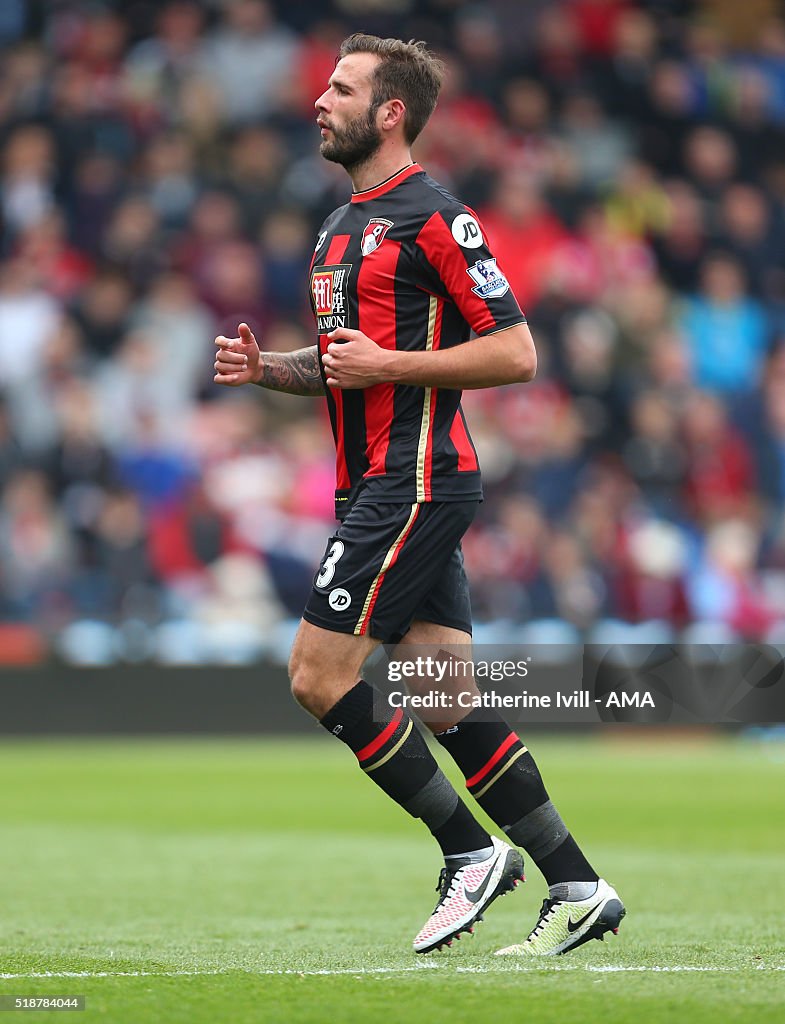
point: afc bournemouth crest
(329, 293)
(373, 235)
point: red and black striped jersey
(407, 264)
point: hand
(238, 359)
(357, 362)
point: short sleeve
(452, 247)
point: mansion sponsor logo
(329, 294)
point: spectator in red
(597, 23)
(187, 535)
(719, 480)
(45, 246)
(650, 586)
(517, 212)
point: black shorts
(389, 564)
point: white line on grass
(615, 969)
(473, 969)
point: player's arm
(239, 361)
(507, 356)
(452, 259)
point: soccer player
(401, 277)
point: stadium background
(159, 182)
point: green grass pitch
(257, 880)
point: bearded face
(355, 143)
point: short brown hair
(406, 71)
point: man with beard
(401, 277)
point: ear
(392, 114)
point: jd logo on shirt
(339, 599)
(466, 231)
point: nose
(321, 102)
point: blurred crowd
(160, 182)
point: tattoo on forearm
(296, 373)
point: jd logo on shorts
(339, 599)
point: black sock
(502, 776)
(393, 753)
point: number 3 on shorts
(327, 571)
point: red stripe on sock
(512, 738)
(381, 739)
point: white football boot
(466, 892)
(563, 926)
